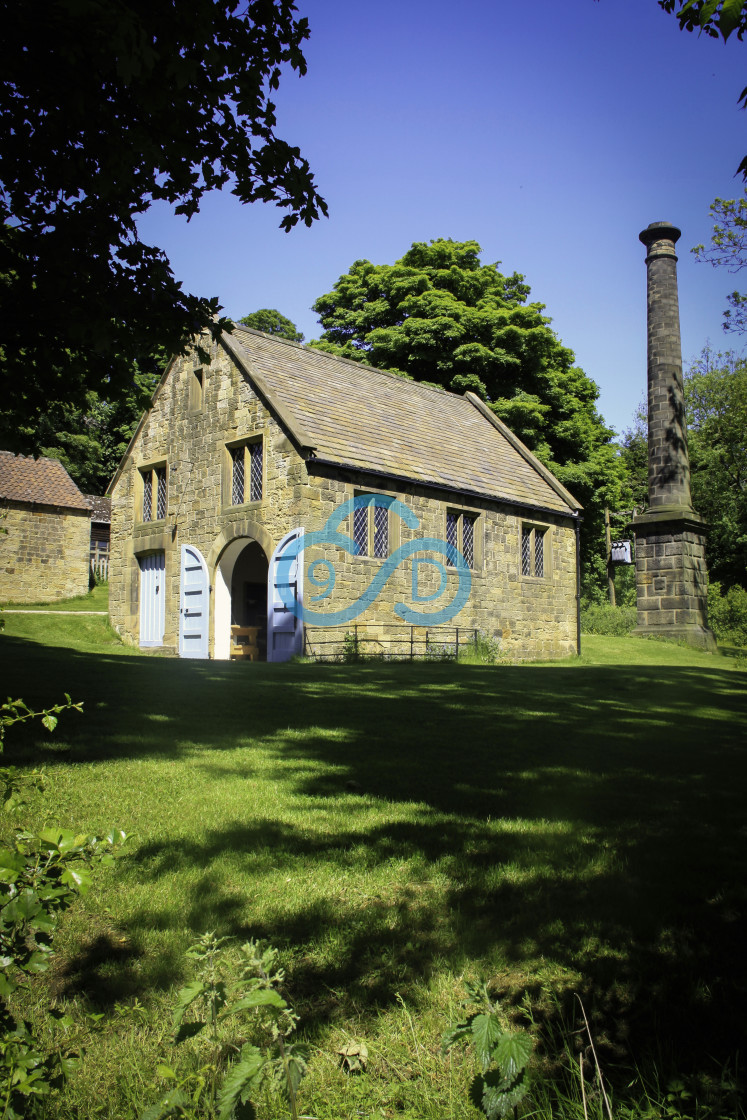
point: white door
(152, 598)
(194, 599)
(285, 583)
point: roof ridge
(399, 377)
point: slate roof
(101, 507)
(352, 415)
(41, 481)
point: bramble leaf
(78, 877)
(22, 908)
(70, 1064)
(11, 865)
(7, 986)
(61, 840)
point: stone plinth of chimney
(671, 573)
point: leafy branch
(41, 875)
(716, 18)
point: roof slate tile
(357, 416)
(41, 481)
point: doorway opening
(241, 598)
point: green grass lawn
(575, 827)
(97, 599)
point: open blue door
(194, 600)
(284, 628)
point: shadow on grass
(588, 824)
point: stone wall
(44, 555)
(671, 576)
(191, 442)
(532, 617)
(187, 431)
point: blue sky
(550, 132)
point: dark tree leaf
(104, 109)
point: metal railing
(357, 643)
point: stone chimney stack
(671, 574)
(668, 466)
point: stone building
(45, 529)
(243, 458)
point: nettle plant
(503, 1054)
(232, 1068)
(41, 875)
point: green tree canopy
(90, 440)
(439, 315)
(104, 109)
(634, 454)
(270, 321)
(728, 249)
(716, 401)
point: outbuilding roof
(39, 481)
(352, 415)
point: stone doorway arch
(240, 564)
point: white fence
(99, 560)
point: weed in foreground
(232, 1068)
(503, 1055)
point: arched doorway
(240, 594)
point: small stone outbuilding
(45, 530)
(238, 458)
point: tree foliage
(717, 18)
(90, 441)
(270, 321)
(104, 109)
(441, 316)
(716, 401)
(728, 249)
(634, 455)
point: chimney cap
(659, 231)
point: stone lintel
(151, 541)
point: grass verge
(97, 599)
